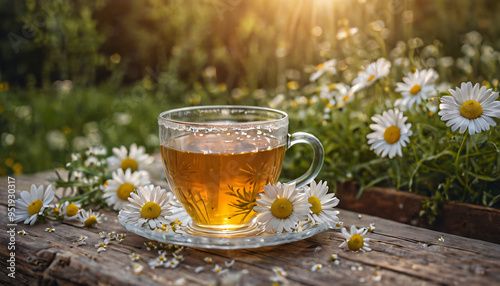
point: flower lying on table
(31, 206)
(89, 218)
(355, 241)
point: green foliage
(99, 72)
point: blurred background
(79, 73)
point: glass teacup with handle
(217, 160)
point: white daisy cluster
(105, 239)
(282, 207)
(90, 173)
(163, 261)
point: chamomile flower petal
(288, 207)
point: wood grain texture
(403, 255)
(456, 218)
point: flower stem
(457, 168)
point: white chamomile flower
(390, 133)
(342, 94)
(137, 268)
(160, 260)
(69, 211)
(416, 87)
(96, 150)
(322, 209)
(279, 271)
(372, 227)
(470, 107)
(90, 218)
(92, 161)
(355, 241)
(32, 204)
(135, 158)
(134, 257)
(81, 240)
(321, 69)
(371, 74)
(316, 267)
(281, 207)
(117, 190)
(217, 268)
(207, 259)
(50, 229)
(22, 232)
(102, 246)
(346, 33)
(172, 263)
(148, 206)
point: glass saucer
(214, 242)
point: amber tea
(217, 176)
(217, 159)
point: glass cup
(217, 160)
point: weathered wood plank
(456, 218)
(403, 254)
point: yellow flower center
(35, 207)
(345, 98)
(281, 208)
(471, 109)
(415, 89)
(355, 243)
(150, 210)
(316, 205)
(331, 86)
(392, 134)
(90, 221)
(129, 163)
(370, 78)
(71, 210)
(321, 66)
(124, 191)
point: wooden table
(401, 255)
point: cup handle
(318, 156)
